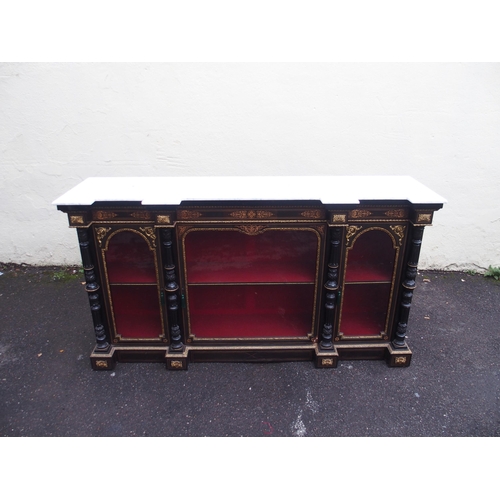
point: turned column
(331, 288)
(171, 291)
(408, 286)
(93, 289)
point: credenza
(256, 269)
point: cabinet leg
(177, 360)
(399, 358)
(103, 360)
(326, 359)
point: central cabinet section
(250, 281)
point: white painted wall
(61, 123)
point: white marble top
(174, 190)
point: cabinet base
(103, 360)
(179, 360)
(327, 358)
(399, 358)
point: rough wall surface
(63, 122)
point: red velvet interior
(229, 256)
(129, 259)
(136, 311)
(251, 310)
(364, 309)
(275, 259)
(371, 258)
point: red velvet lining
(136, 311)
(371, 258)
(364, 309)
(251, 310)
(234, 257)
(129, 259)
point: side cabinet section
(128, 258)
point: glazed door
(250, 282)
(129, 260)
(370, 272)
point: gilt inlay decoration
(189, 214)
(101, 233)
(351, 231)
(312, 214)
(400, 232)
(76, 219)
(141, 215)
(149, 232)
(397, 213)
(359, 214)
(338, 218)
(163, 219)
(103, 215)
(251, 229)
(252, 214)
(424, 218)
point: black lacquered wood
(331, 289)
(171, 290)
(93, 288)
(408, 286)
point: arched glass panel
(129, 259)
(368, 284)
(131, 270)
(371, 258)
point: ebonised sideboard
(190, 269)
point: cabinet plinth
(250, 279)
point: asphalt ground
(47, 387)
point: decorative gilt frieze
(149, 232)
(176, 364)
(326, 362)
(424, 218)
(251, 229)
(101, 363)
(400, 360)
(163, 219)
(103, 215)
(351, 231)
(360, 214)
(189, 214)
(312, 214)
(76, 219)
(396, 213)
(399, 231)
(101, 233)
(339, 218)
(252, 214)
(141, 215)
